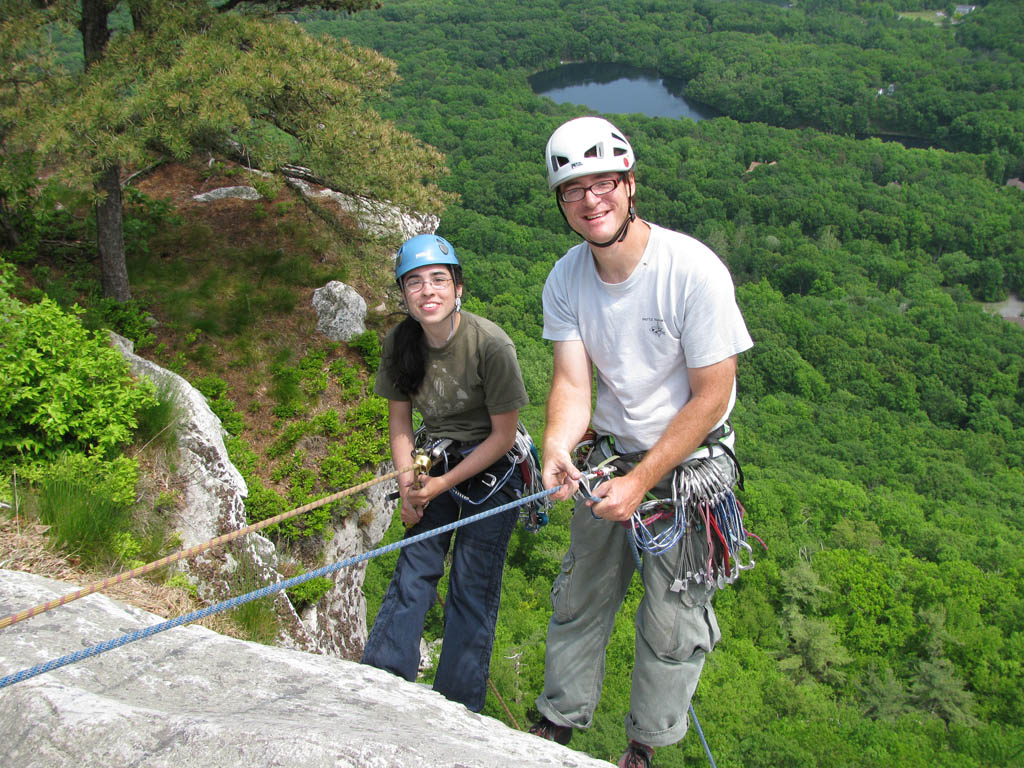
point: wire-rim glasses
(416, 284)
(599, 188)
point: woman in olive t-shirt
(460, 372)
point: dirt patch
(1011, 309)
(24, 547)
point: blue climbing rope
(139, 634)
(693, 713)
(700, 732)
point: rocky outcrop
(338, 621)
(228, 193)
(377, 217)
(190, 698)
(214, 503)
(340, 311)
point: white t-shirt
(677, 310)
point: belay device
(522, 458)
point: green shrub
(263, 503)
(348, 379)
(287, 439)
(286, 390)
(65, 387)
(368, 345)
(327, 423)
(214, 389)
(308, 592)
(313, 378)
(181, 581)
(127, 318)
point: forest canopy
(880, 416)
(881, 410)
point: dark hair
(407, 365)
(408, 362)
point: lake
(617, 89)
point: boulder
(228, 193)
(191, 698)
(340, 311)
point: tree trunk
(10, 231)
(109, 224)
(110, 236)
(94, 29)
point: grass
(83, 518)
(160, 424)
(257, 619)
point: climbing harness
(522, 457)
(702, 510)
(270, 589)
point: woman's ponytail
(407, 365)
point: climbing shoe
(548, 730)
(637, 755)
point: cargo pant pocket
(676, 631)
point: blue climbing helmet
(422, 250)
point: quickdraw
(703, 513)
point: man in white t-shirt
(653, 313)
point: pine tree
(186, 76)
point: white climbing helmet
(583, 146)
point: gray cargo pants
(674, 629)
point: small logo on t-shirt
(655, 325)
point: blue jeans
(474, 593)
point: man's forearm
(568, 416)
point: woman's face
(430, 293)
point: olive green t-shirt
(474, 375)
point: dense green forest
(881, 411)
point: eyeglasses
(599, 188)
(416, 284)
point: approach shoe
(637, 755)
(548, 730)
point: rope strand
(270, 589)
(184, 554)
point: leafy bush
(368, 345)
(287, 439)
(309, 592)
(286, 390)
(128, 318)
(348, 379)
(215, 389)
(65, 387)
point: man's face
(597, 217)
